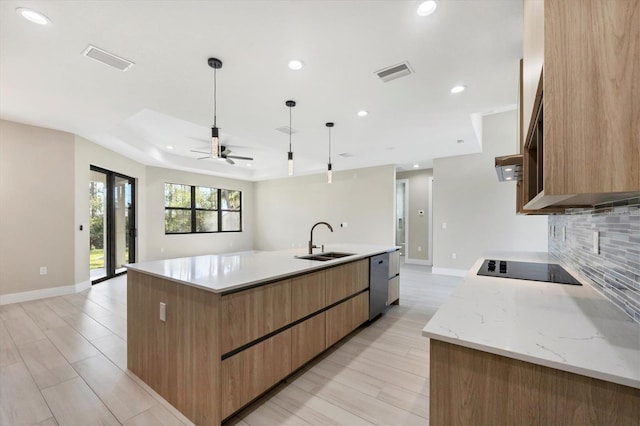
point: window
(199, 209)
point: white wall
(480, 211)
(161, 246)
(36, 217)
(363, 198)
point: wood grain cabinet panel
(250, 314)
(346, 317)
(308, 340)
(468, 386)
(345, 280)
(394, 263)
(307, 294)
(249, 373)
(533, 57)
(394, 290)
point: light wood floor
(63, 361)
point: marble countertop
(221, 273)
(570, 328)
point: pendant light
(290, 104)
(329, 171)
(216, 64)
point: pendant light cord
(329, 145)
(214, 97)
(290, 129)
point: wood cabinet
(394, 263)
(469, 386)
(394, 290)
(307, 294)
(249, 373)
(249, 314)
(345, 280)
(346, 317)
(308, 340)
(587, 82)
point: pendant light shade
(290, 104)
(329, 168)
(216, 64)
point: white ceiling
(166, 97)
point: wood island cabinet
(580, 74)
(217, 352)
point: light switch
(444, 225)
(163, 312)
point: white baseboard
(410, 261)
(26, 296)
(449, 271)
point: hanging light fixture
(216, 64)
(290, 104)
(329, 171)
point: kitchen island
(212, 333)
(507, 351)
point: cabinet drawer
(345, 280)
(346, 317)
(394, 290)
(250, 314)
(251, 372)
(307, 294)
(307, 340)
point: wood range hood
(509, 167)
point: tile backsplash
(615, 271)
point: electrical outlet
(163, 312)
(454, 256)
(596, 242)
(43, 270)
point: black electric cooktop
(546, 272)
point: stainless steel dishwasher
(378, 284)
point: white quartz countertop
(570, 328)
(232, 271)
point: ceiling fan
(224, 154)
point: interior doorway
(402, 204)
(112, 227)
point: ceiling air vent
(285, 130)
(107, 58)
(394, 71)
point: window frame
(193, 210)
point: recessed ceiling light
(295, 64)
(458, 89)
(362, 113)
(415, 166)
(169, 147)
(33, 16)
(427, 8)
(248, 164)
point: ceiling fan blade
(200, 152)
(237, 157)
(229, 160)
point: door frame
(110, 224)
(406, 213)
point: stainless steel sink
(323, 257)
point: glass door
(112, 230)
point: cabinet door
(251, 372)
(345, 280)
(533, 57)
(346, 317)
(307, 294)
(307, 340)
(394, 290)
(250, 314)
(394, 263)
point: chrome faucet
(311, 245)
